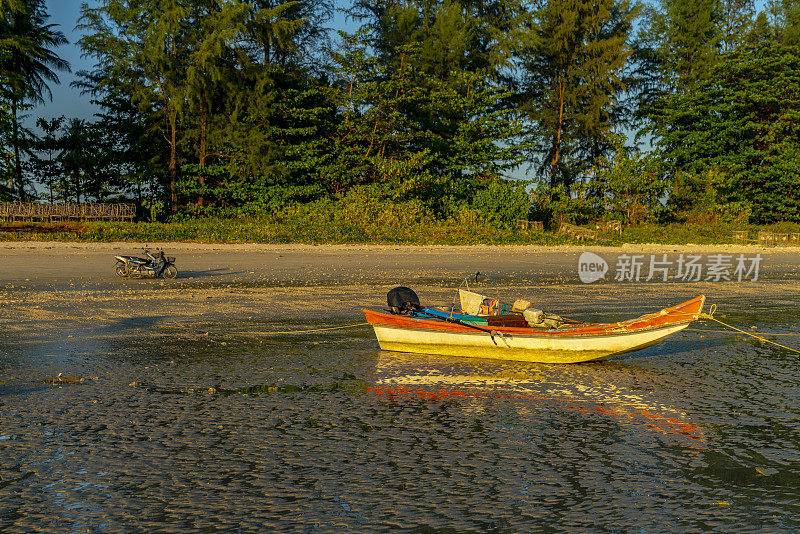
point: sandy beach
(54, 264)
(48, 283)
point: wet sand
(190, 404)
(47, 287)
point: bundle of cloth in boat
(483, 306)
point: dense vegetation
(460, 111)
(303, 223)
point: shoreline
(188, 246)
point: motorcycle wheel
(120, 270)
(170, 272)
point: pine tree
(11, 6)
(686, 37)
(417, 134)
(784, 20)
(451, 35)
(290, 34)
(574, 62)
(131, 137)
(207, 70)
(142, 43)
(742, 128)
(676, 54)
(736, 21)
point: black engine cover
(402, 300)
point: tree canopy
(744, 124)
(252, 105)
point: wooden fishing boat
(571, 343)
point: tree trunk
(78, 188)
(557, 136)
(17, 175)
(173, 162)
(203, 153)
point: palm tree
(28, 65)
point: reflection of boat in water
(588, 390)
(421, 332)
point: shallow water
(156, 430)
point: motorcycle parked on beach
(158, 266)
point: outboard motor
(402, 300)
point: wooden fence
(525, 224)
(613, 226)
(34, 211)
(771, 239)
(578, 232)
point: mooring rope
(310, 330)
(710, 315)
(776, 334)
(286, 332)
(75, 317)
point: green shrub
(503, 201)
